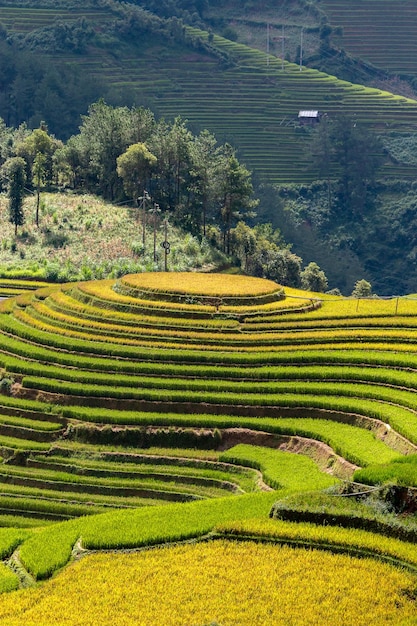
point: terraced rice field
(391, 42)
(192, 360)
(252, 102)
(163, 407)
(255, 106)
(206, 584)
(25, 19)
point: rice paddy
(117, 434)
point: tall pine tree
(15, 169)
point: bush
(313, 278)
(362, 289)
(6, 386)
(55, 239)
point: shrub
(362, 289)
(313, 278)
(6, 386)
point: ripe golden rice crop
(202, 284)
(222, 582)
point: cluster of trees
(120, 153)
(346, 151)
(262, 252)
(126, 155)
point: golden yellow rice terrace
(224, 583)
(195, 283)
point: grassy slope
(82, 237)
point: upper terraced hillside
(390, 42)
(242, 95)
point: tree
(39, 142)
(14, 170)
(38, 149)
(237, 192)
(348, 150)
(134, 167)
(39, 175)
(105, 134)
(283, 266)
(313, 278)
(171, 146)
(362, 289)
(243, 241)
(103, 137)
(205, 174)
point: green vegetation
(213, 70)
(370, 510)
(280, 469)
(81, 254)
(401, 471)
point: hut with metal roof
(309, 117)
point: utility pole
(165, 244)
(155, 212)
(143, 199)
(282, 48)
(301, 49)
(267, 44)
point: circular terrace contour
(168, 285)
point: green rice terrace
(162, 407)
(390, 44)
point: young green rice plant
(48, 550)
(10, 539)
(39, 509)
(9, 581)
(355, 444)
(112, 485)
(204, 474)
(26, 498)
(29, 424)
(16, 521)
(401, 471)
(280, 469)
(401, 419)
(129, 454)
(15, 443)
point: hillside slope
(240, 94)
(390, 44)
